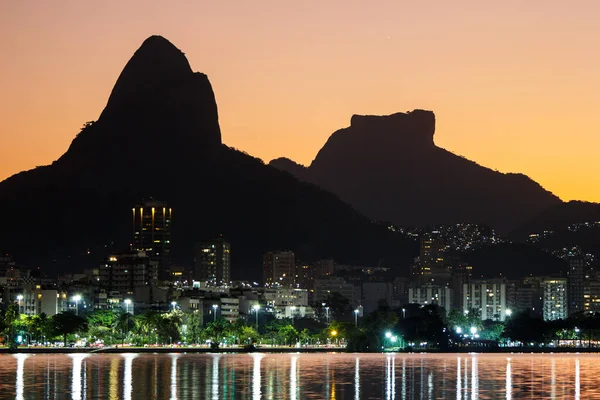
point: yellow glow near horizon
(514, 84)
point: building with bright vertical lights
(213, 262)
(152, 232)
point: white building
(230, 308)
(278, 297)
(555, 299)
(35, 301)
(294, 312)
(440, 295)
(487, 297)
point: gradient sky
(515, 85)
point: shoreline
(241, 350)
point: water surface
(299, 376)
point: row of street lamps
(215, 307)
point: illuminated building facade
(279, 269)
(124, 272)
(213, 262)
(431, 294)
(152, 232)
(591, 295)
(432, 251)
(555, 299)
(33, 300)
(431, 267)
(488, 298)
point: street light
(356, 317)
(404, 313)
(334, 335)
(473, 332)
(127, 303)
(174, 303)
(19, 298)
(256, 307)
(76, 298)
(508, 312)
(388, 336)
(214, 306)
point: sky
(514, 84)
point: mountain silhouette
(159, 137)
(559, 217)
(389, 168)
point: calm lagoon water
(299, 376)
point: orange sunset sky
(515, 85)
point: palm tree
(146, 323)
(123, 325)
(10, 316)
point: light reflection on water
(77, 376)
(299, 376)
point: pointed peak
(157, 44)
(155, 64)
(157, 39)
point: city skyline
(384, 179)
(516, 96)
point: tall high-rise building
(459, 276)
(279, 269)
(431, 267)
(152, 232)
(488, 298)
(432, 251)
(555, 296)
(213, 262)
(591, 295)
(575, 278)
